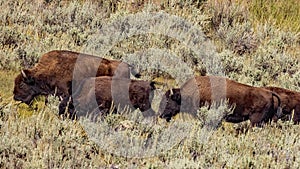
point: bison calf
(96, 95)
(290, 100)
(57, 70)
(257, 104)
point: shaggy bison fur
(97, 95)
(57, 70)
(290, 100)
(253, 103)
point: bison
(57, 70)
(290, 100)
(98, 95)
(257, 104)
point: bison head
(170, 104)
(143, 97)
(24, 87)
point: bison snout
(16, 98)
(20, 100)
(167, 118)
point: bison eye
(22, 85)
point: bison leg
(232, 118)
(296, 118)
(67, 104)
(62, 107)
(258, 119)
(149, 113)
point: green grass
(7, 82)
(280, 13)
(257, 43)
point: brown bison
(96, 95)
(257, 104)
(57, 70)
(290, 100)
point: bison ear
(27, 77)
(30, 81)
(176, 97)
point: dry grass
(250, 42)
(282, 14)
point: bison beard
(290, 100)
(253, 103)
(96, 95)
(56, 71)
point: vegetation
(254, 42)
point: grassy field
(254, 42)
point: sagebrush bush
(229, 21)
(240, 38)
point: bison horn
(23, 74)
(171, 92)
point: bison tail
(279, 109)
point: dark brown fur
(101, 92)
(57, 70)
(252, 103)
(290, 100)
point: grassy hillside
(254, 42)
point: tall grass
(43, 140)
(280, 13)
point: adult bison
(96, 95)
(290, 100)
(57, 70)
(257, 104)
